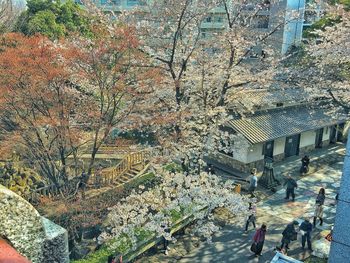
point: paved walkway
(319, 159)
(231, 244)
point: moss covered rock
(18, 179)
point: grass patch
(173, 167)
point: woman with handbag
(258, 240)
(319, 206)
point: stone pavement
(319, 159)
(231, 244)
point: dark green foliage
(53, 19)
(346, 3)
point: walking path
(231, 244)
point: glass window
(114, 2)
(132, 2)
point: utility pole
(340, 246)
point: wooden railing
(112, 149)
(110, 175)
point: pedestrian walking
(319, 206)
(305, 231)
(305, 161)
(83, 183)
(289, 234)
(251, 217)
(253, 182)
(211, 169)
(98, 176)
(291, 184)
(258, 240)
(165, 237)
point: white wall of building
(278, 147)
(307, 138)
(255, 152)
(240, 148)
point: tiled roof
(261, 97)
(280, 122)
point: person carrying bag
(258, 240)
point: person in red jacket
(259, 239)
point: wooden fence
(110, 175)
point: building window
(279, 104)
(113, 2)
(262, 21)
(208, 19)
(219, 19)
(132, 2)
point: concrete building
(119, 5)
(287, 14)
(340, 246)
(313, 12)
(281, 129)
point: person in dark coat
(305, 161)
(287, 235)
(259, 239)
(319, 206)
(305, 230)
(83, 182)
(291, 184)
(251, 217)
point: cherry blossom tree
(190, 104)
(177, 197)
(321, 67)
(331, 58)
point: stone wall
(33, 236)
(21, 224)
(55, 246)
(244, 167)
(325, 143)
(306, 149)
(278, 157)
